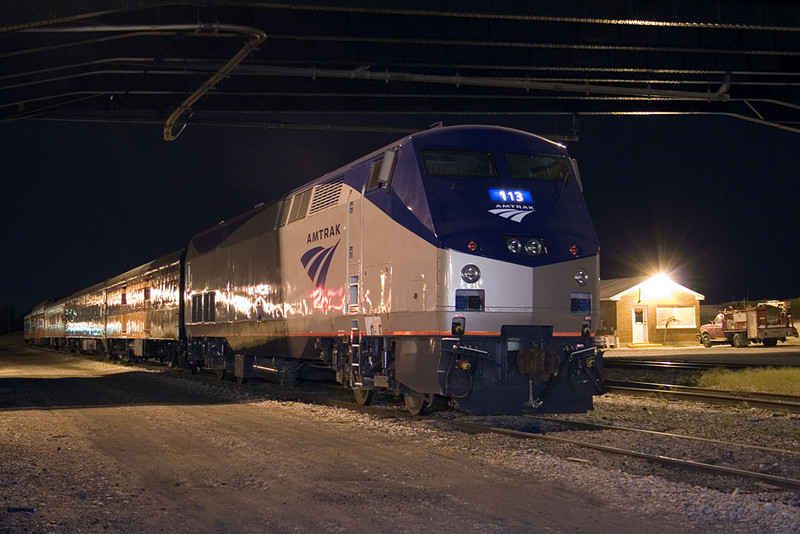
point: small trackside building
(647, 311)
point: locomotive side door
(372, 298)
(355, 250)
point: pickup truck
(766, 322)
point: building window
(675, 317)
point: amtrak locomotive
(458, 263)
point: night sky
(710, 199)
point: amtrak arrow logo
(317, 261)
(512, 214)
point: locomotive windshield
(468, 163)
(538, 167)
(478, 164)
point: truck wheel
(740, 340)
(706, 340)
(770, 341)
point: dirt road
(93, 447)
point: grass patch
(767, 380)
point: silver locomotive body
(458, 262)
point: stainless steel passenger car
(138, 314)
(144, 312)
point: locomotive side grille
(285, 208)
(300, 205)
(326, 195)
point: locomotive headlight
(534, 247)
(470, 273)
(514, 245)
(581, 277)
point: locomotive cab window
(380, 173)
(538, 167)
(464, 163)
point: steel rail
(603, 426)
(783, 482)
(728, 398)
(778, 481)
(691, 389)
(620, 363)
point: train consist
(459, 262)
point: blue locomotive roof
(464, 136)
(451, 209)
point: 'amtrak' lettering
(514, 207)
(323, 233)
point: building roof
(613, 289)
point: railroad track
(769, 480)
(775, 481)
(770, 401)
(602, 426)
(684, 366)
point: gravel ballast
(62, 471)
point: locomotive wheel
(706, 340)
(363, 396)
(415, 402)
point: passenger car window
(538, 167)
(468, 163)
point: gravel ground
(45, 466)
(705, 502)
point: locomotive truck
(766, 322)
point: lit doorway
(640, 324)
